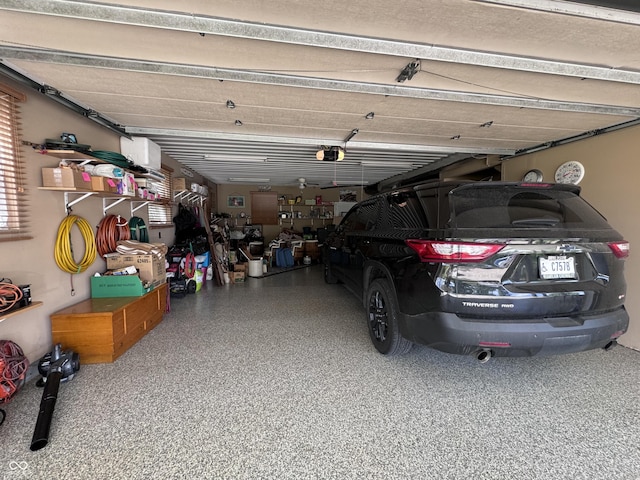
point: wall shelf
(72, 196)
(31, 306)
(85, 158)
(71, 155)
(325, 212)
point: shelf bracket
(70, 203)
(188, 196)
(108, 203)
(179, 195)
(137, 205)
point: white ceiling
(493, 80)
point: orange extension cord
(10, 294)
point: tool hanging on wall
(63, 251)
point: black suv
(483, 268)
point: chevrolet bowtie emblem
(566, 248)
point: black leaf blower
(55, 367)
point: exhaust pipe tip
(610, 345)
(484, 355)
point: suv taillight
(620, 249)
(441, 251)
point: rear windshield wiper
(545, 221)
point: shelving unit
(84, 158)
(325, 212)
(73, 196)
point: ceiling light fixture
(373, 164)
(232, 158)
(350, 182)
(230, 104)
(409, 71)
(369, 116)
(238, 123)
(249, 180)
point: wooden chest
(102, 329)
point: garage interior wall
(611, 172)
(32, 261)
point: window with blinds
(160, 214)
(14, 214)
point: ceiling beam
(576, 9)
(186, 22)
(199, 71)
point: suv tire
(382, 320)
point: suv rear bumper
(525, 337)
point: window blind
(14, 213)
(160, 214)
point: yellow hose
(64, 250)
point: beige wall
(609, 184)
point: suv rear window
(515, 206)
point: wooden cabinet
(264, 208)
(102, 329)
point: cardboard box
(150, 268)
(179, 184)
(99, 184)
(118, 286)
(236, 277)
(65, 178)
(104, 184)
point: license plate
(557, 267)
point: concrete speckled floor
(276, 379)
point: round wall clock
(532, 176)
(570, 172)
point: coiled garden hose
(114, 158)
(138, 229)
(111, 229)
(63, 251)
